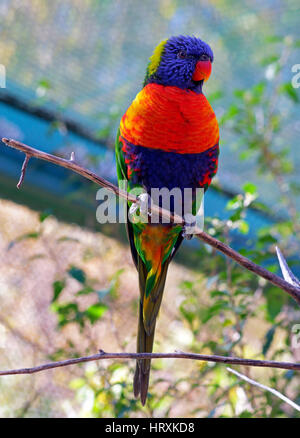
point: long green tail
(146, 327)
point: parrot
(168, 137)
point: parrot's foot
(141, 208)
(189, 226)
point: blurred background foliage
(68, 287)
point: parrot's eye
(181, 54)
(204, 57)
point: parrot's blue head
(181, 61)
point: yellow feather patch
(156, 57)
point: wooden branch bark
(176, 355)
(292, 289)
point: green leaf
(230, 114)
(45, 83)
(227, 323)
(85, 291)
(218, 293)
(268, 339)
(187, 284)
(234, 203)
(258, 89)
(239, 93)
(289, 91)
(245, 414)
(67, 313)
(215, 96)
(270, 59)
(236, 216)
(274, 39)
(243, 227)
(208, 313)
(266, 240)
(78, 274)
(275, 301)
(44, 215)
(95, 312)
(186, 313)
(58, 287)
(245, 155)
(250, 188)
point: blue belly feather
(155, 168)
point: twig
(291, 289)
(177, 355)
(265, 388)
(23, 170)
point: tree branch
(292, 289)
(177, 355)
(265, 388)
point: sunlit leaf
(95, 312)
(250, 188)
(243, 227)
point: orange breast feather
(170, 119)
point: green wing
(120, 160)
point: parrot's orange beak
(202, 71)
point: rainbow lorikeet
(168, 137)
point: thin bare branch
(23, 170)
(265, 388)
(68, 164)
(177, 355)
(291, 289)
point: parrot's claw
(133, 208)
(189, 225)
(143, 206)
